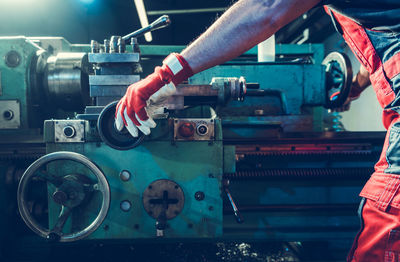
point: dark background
(80, 21)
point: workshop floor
(181, 252)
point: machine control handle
(161, 22)
(236, 212)
(161, 223)
(257, 92)
(252, 86)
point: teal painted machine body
(16, 92)
(249, 142)
(294, 88)
(196, 166)
(291, 105)
(24, 89)
(24, 86)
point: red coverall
(379, 52)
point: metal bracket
(69, 131)
(10, 114)
(194, 129)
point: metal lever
(161, 223)
(252, 86)
(256, 92)
(263, 92)
(161, 22)
(236, 212)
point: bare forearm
(359, 84)
(244, 25)
(362, 78)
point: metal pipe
(195, 90)
(187, 11)
(294, 208)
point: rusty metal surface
(162, 192)
(195, 90)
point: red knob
(186, 130)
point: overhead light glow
(87, 1)
(143, 18)
(17, 3)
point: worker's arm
(241, 27)
(245, 24)
(360, 82)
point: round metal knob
(8, 114)
(202, 130)
(69, 131)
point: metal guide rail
(297, 177)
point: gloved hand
(131, 109)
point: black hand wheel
(72, 190)
(339, 76)
(109, 133)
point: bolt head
(199, 195)
(60, 197)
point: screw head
(13, 59)
(199, 195)
(60, 197)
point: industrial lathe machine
(245, 151)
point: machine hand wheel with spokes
(339, 76)
(75, 186)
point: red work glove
(131, 109)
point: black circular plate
(109, 133)
(339, 76)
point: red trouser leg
(379, 239)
